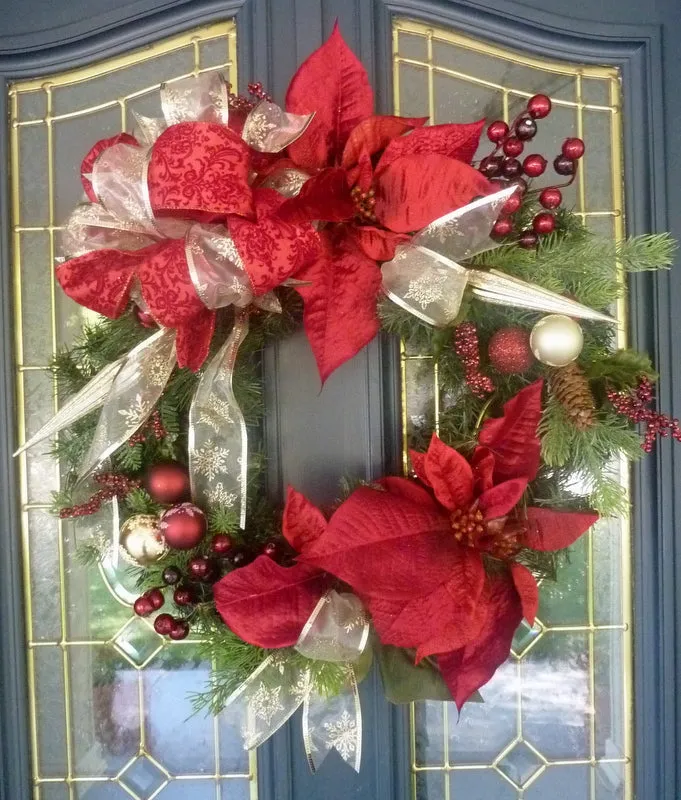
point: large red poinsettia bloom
(374, 180)
(417, 553)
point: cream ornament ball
(141, 541)
(556, 340)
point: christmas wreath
(228, 224)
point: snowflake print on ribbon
(219, 496)
(211, 460)
(266, 703)
(137, 414)
(342, 734)
(427, 288)
(216, 413)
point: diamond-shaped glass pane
(520, 764)
(143, 777)
(138, 641)
(526, 636)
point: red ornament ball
(144, 318)
(539, 106)
(270, 549)
(511, 168)
(143, 607)
(490, 166)
(564, 165)
(512, 204)
(163, 624)
(183, 526)
(534, 165)
(502, 227)
(497, 131)
(526, 129)
(183, 596)
(551, 197)
(156, 598)
(573, 147)
(544, 223)
(221, 544)
(509, 351)
(200, 568)
(168, 482)
(179, 631)
(528, 240)
(513, 146)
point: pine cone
(571, 388)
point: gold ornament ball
(141, 540)
(556, 340)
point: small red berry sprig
(238, 102)
(634, 405)
(467, 347)
(154, 427)
(506, 166)
(113, 485)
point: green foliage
(622, 369)
(139, 501)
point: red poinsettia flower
(374, 179)
(415, 554)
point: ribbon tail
(135, 390)
(270, 129)
(334, 723)
(89, 398)
(218, 439)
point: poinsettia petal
(527, 589)
(332, 83)
(467, 669)
(377, 243)
(388, 545)
(266, 604)
(449, 474)
(374, 134)
(418, 464)
(482, 463)
(441, 621)
(303, 523)
(502, 498)
(409, 490)
(326, 196)
(415, 190)
(555, 530)
(340, 304)
(453, 140)
(513, 437)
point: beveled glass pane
(562, 696)
(111, 716)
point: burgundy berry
(163, 624)
(179, 631)
(564, 165)
(534, 165)
(497, 131)
(513, 146)
(544, 223)
(539, 106)
(573, 147)
(155, 597)
(550, 197)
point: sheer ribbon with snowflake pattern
(337, 631)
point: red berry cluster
(466, 346)
(506, 166)
(153, 427)
(164, 624)
(256, 90)
(634, 406)
(113, 485)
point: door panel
(559, 712)
(109, 703)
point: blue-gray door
(92, 707)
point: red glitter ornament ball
(155, 597)
(534, 165)
(544, 222)
(539, 106)
(502, 227)
(163, 624)
(183, 596)
(513, 146)
(551, 197)
(168, 482)
(573, 147)
(509, 351)
(512, 204)
(183, 526)
(180, 630)
(143, 607)
(221, 544)
(497, 131)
